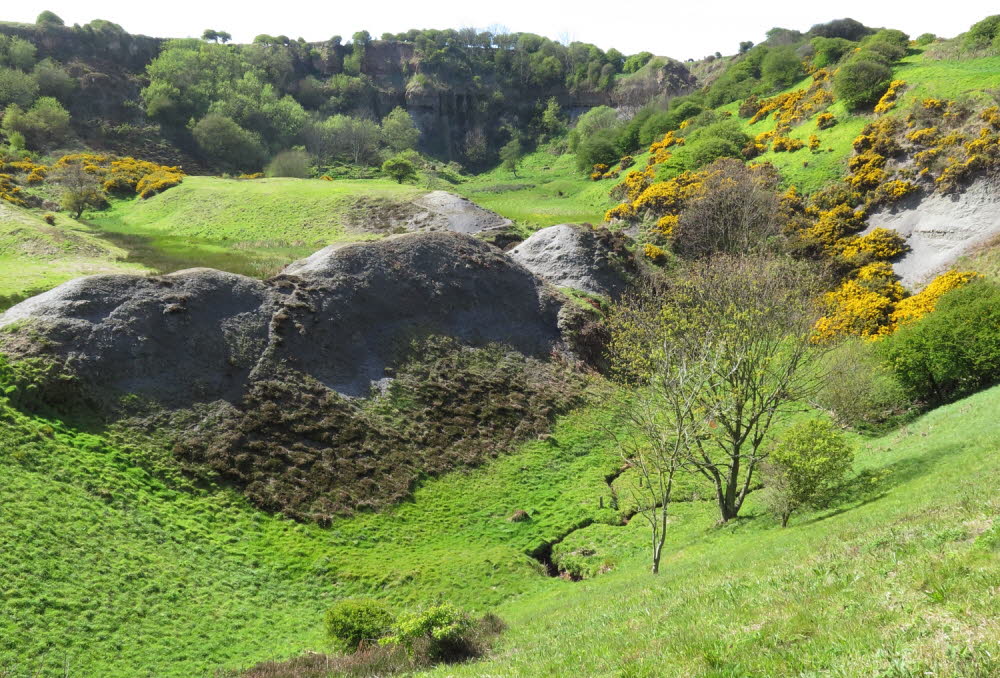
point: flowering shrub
(9, 191)
(626, 162)
(922, 303)
(888, 100)
(783, 144)
(622, 212)
(813, 142)
(924, 136)
(126, 176)
(825, 121)
(666, 224)
(653, 253)
(881, 243)
(598, 173)
(260, 175)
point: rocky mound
(581, 257)
(940, 228)
(443, 211)
(339, 317)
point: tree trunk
(784, 519)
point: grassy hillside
(897, 581)
(251, 227)
(36, 256)
(547, 190)
(924, 76)
(117, 566)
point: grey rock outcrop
(443, 211)
(940, 228)
(341, 316)
(574, 256)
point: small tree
(662, 417)
(443, 628)
(511, 154)
(81, 189)
(48, 18)
(552, 118)
(354, 621)
(861, 82)
(738, 331)
(399, 168)
(809, 462)
(399, 131)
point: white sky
(689, 28)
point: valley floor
(115, 565)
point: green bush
(400, 168)
(861, 82)
(860, 390)
(294, 163)
(780, 68)
(16, 87)
(46, 123)
(228, 145)
(353, 621)
(983, 33)
(828, 51)
(599, 148)
(441, 632)
(807, 465)
(953, 351)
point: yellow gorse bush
(888, 100)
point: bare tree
(81, 189)
(738, 331)
(662, 419)
(736, 212)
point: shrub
(16, 87)
(49, 218)
(441, 631)
(861, 82)
(399, 168)
(982, 33)
(809, 462)
(227, 144)
(860, 390)
(952, 352)
(781, 67)
(48, 18)
(294, 163)
(354, 621)
(825, 121)
(46, 123)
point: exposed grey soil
(577, 257)
(340, 316)
(940, 228)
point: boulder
(341, 316)
(581, 257)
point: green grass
(901, 581)
(546, 191)
(118, 566)
(36, 256)
(250, 227)
(810, 170)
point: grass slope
(36, 256)
(116, 566)
(251, 227)
(902, 581)
(546, 191)
(925, 77)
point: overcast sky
(690, 28)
